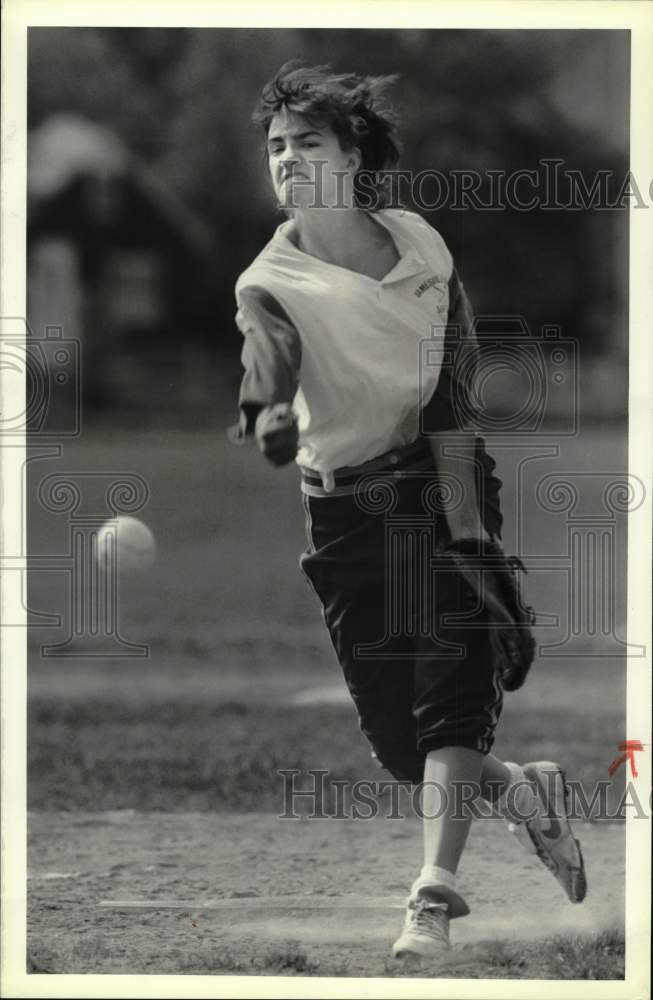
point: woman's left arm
(454, 446)
(454, 452)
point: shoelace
(426, 917)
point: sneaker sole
(576, 890)
(414, 951)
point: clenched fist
(277, 434)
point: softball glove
(494, 579)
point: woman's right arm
(271, 357)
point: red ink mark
(628, 750)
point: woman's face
(307, 166)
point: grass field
(241, 681)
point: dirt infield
(242, 681)
(78, 860)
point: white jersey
(364, 372)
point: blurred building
(120, 263)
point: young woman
(334, 311)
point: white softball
(127, 543)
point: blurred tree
(468, 100)
(116, 76)
(152, 52)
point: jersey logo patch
(425, 285)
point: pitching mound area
(136, 892)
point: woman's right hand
(277, 434)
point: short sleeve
(271, 356)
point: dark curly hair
(353, 106)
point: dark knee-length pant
(412, 643)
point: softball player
(333, 311)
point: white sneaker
(549, 835)
(426, 930)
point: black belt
(411, 456)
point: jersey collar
(410, 261)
